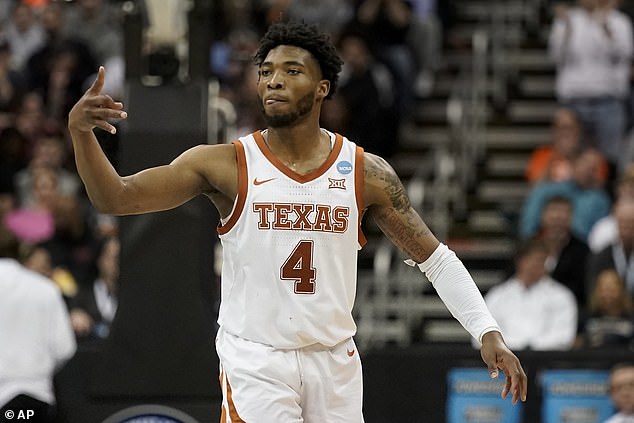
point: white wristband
(458, 291)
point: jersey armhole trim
(243, 181)
(358, 190)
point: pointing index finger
(97, 85)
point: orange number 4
(299, 268)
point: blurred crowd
(49, 51)
(572, 281)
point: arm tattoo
(381, 173)
(406, 231)
(391, 209)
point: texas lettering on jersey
(302, 217)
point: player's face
(289, 86)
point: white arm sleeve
(458, 291)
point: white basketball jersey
(290, 247)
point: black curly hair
(309, 38)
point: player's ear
(323, 89)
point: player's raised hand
(95, 109)
(497, 355)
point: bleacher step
(532, 111)
(507, 165)
(445, 331)
(537, 86)
(488, 221)
(517, 137)
(503, 191)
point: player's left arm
(386, 201)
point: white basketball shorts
(315, 384)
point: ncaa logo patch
(344, 167)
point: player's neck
(297, 142)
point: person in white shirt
(536, 312)
(605, 231)
(36, 337)
(591, 45)
(622, 393)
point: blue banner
(473, 397)
(575, 396)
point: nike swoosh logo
(350, 353)
(263, 181)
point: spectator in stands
(5, 12)
(95, 23)
(38, 259)
(329, 15)
(565, 251)
(13, 155)
(94, 307)
(605, 231)
(592, 47)
(238, 78)
(104, 225)
(533, 310)
(12, 85)
(590, 202)
(620, 254)
(65, 81)
(447, 11)
(30, 119)
(425, 39)
(52, 20)
(622, 393)
(69, 241)
(553, 162)
(609, 319)
(58, 70)
(35, 334)
(48, 152)
(369, 112)
(24, 34)
(385, 24)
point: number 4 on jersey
(299, 268)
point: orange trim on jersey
(233, 413)
(243, 184)
(264, 148)
(223, 410)
(359, 178)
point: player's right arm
(153, 189)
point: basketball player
(291, 198)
